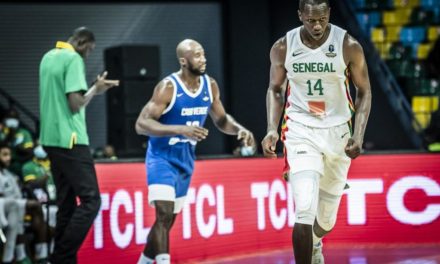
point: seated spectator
(38, 180)
(18, 139)
(10, 190)
(109, 152)
(243, 151)
(106, 152)
(37, 176)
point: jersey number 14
(316, 87)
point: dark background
(237, 37)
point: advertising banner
(237, 206)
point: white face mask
(39, 152)
(12, 122)
(246, 151)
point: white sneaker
(317, 257)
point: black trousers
(74, 174)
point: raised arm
(225, 122)
(78, 99)
(355, 59)
(148, 124)
(275, 97)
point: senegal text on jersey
(194, 111)
(313, 67)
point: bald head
(191, 56)
(303, 3)
(186, 46)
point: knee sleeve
(328, 205)
(305, 189)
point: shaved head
(186, 46)
(303, 3)
(191, 56)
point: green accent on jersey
(347, 91)
(62, 71)
(303, 67)
(33, 170)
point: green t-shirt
(33, 170)
(62, 71)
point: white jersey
(318, 88)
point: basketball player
(174, 118)
(317, 59)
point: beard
(195, 70)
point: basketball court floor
(347, 254)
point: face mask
(12, 122)
(246, 151)
(39, 152)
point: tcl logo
(268, 193)
(361, 188)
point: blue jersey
(186, 108)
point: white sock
(20, 252)
(41, 250)
(145, 260)
(316, 239)
(163, 259)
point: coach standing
(63, 133)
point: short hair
(4, 145)
(303, 3)
(83, 34)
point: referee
(63, 133)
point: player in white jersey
(316, 59)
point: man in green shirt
(63, 97)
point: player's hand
(247, 138)
(353, 148)
(194, 132)
(269, 144)
(102, 84)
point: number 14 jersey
(318, 89)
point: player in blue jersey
(173, 119)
